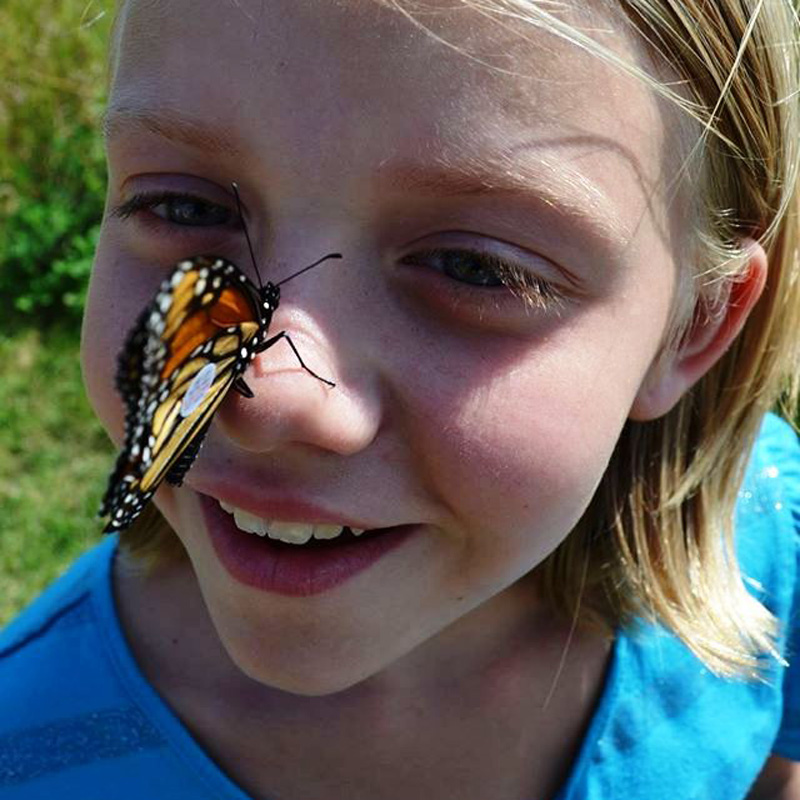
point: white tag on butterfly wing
(198, 389)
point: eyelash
(532, 290)
(535, 291)
(147, 201)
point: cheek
(532, 463)
(117, 294)
(524, 449)
(100, 343)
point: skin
(457, 408)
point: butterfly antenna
(310, 266)
(235, 188)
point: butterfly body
(189, 347)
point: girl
(568, 296)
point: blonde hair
(657, 539)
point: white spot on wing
(198, 389)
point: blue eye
(485, 271)
(178, 209)
(190, 211)
(465, 266)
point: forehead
(355, 49)
(357, 84)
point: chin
(303, 682)
(299, 664)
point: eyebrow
(546, 182)
(484, 173)
(549, 184)
(170, 124)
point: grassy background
(54, 456)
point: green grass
(54, 459)
(52, 169)
(54, 456)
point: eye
(178, 209)
(192, 211)
(465, 266)
(476, 270)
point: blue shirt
(79, 720)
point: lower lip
(289, 569)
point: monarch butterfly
(188, 348)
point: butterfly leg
(284, 335)
(243, 389)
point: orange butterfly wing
(179, 361)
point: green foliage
(54, 459)
(53, 454)
(52, 170)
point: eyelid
(530, 261)
(148, 200)
(510, 267)
(519, 280)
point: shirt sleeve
(786, 450)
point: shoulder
(775, 461)
(64, 593)
(768, 516)
(46, 650)
(77, 717)
(774, 467)
(663, 708)
(65, 711)
(771, 535)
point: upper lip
(285, 508)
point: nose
(291, 406)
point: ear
(705, 342)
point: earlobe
(705, 342)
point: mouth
(294, 533)
(296, 559)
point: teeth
(327, 531)
(250, 522)
(290, 532)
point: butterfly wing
(186, 351)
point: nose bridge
(327, 305)
(312, 313)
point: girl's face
(480, 421)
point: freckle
(174, 641)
